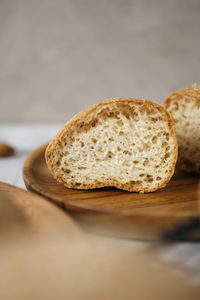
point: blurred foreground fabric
(75, 265)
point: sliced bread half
(184, 106)
(126, 143)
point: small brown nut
(6, 150)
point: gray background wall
(57, 57)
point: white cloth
(24, 138)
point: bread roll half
(184, 106)
(126, 143)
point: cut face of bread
(184, 105)
(125, 143)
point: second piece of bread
(184, 105)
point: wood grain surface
(112, 211)
(37, 214)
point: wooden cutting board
(32, 212)
(172, 212)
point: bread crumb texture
(184, 106)
(125, 143)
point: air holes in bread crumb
(110, 154)
(167, 155)
(154, 139)
(120, 123)
(146, 161)
(94, 122)
(127, 152)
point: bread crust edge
(189, 92)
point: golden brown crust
(68, 127)
(189, 92)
